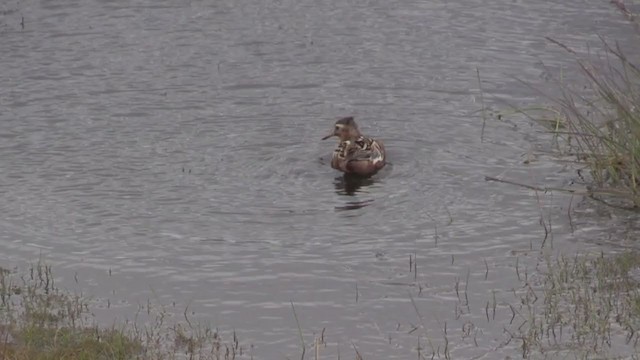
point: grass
(41, 343)
(605, 133)
(589, 306)
(40, 322)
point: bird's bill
(328, 136)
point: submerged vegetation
(581, 307)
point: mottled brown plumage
(356, 153)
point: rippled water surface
(177, 143)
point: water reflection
(348, 184)
(354, 205)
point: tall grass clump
(38, 321)
(602, 122)
(605, 132)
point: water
(177, 144)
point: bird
(356, 154)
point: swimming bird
(355, 154)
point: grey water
(175, 145)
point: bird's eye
(337, 127)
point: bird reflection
(350, 185)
